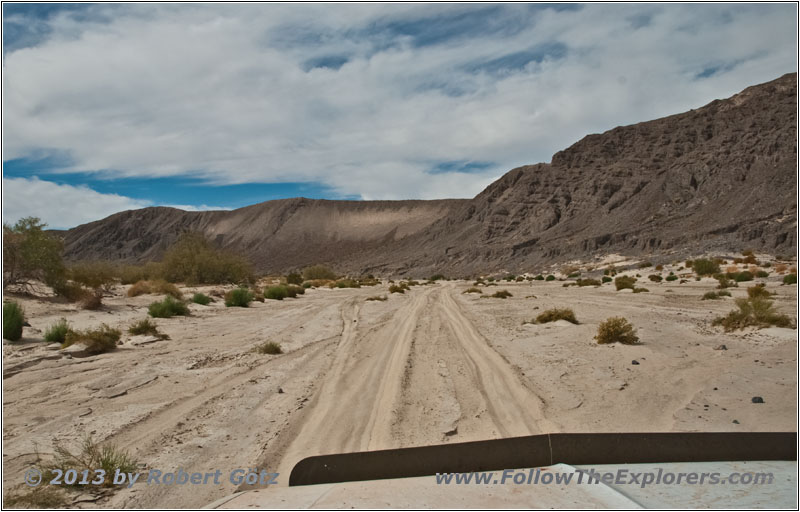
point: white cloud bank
(230, 92)
(66, 206)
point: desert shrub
(294, 278)
(73, 292)
(655, 278)
(540, 277)
(239, 298)
(472, 290)
(550, 277)
(753, 312)
(762, 273)
(201, 298)
(790, 279)
(13, 320)
(146, 327)
(637, 289)
(732, 270)
(623, 282)
(551, 315)
(780, 268)
(743, 276)
(672, 277)
(397, 289)
(501, 294)
(194, 260)
(750, 259)
(294, 290)
(31, 254)
(710, 296)
(57, 333)
(616, 330)
(378, 297)
(269, 347)
(725, 282)
(607, 279)
(723, 293)
(689, 263)
(139, 288)
(279, 292)
(659, 267)
(98, 274)
(588, 282)
(318, 272)
(705, 267)
(574, 275)
(91, 457)
(758, 290)
(168, 308)
(437, 277)
(645, 264)
(97, 341)
(346, 283)
(92, 300)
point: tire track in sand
(355, 406)
(513, 408)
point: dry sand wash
(430, 366)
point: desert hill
(721, 177)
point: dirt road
(433, 365)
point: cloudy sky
(111, 107)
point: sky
(110, 107)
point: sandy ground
(430, 366)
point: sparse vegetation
(759, 290)
(710, 296)
(378, 297)
(655, 278)
(158, 286)
(742, 276)
(790, 279)
(98, 274)
(146, 327)
(57, 333)
(279, 292)
(753, 312)
(92, 300)
(31, 254)
(195, 260)
(550, 277)
(269, 347)
(437, 277)
(42, 497)
(501, 294)
(201, 298)
(293, 290)
(624, 282)
(472, 290)
(239, 298)
(553, 314)
(645, 264)
(588, 282)
(97, 341)
(616, 330)
(168, 308)
(539, 277)
(671, 277)
(91, 457)
(607, 279)
(13, 320)
(762, 273)
(294, 278)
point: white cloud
(223, 90)
(66, 206)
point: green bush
(294, 290)
(551, 315)
(437, 277)
(201, 298)
(637, 289)
(397, 289)
(97, 341)
(168, 308)
(645, 264)
(704, 267)
(57, 333)
(31, 254)
(13, 320)
(540, 277)
(753, 312)
(624, 282)
(762, 274)
(710, 296)
(279, 292)
(146, 327)
(269, 347)
(607, 279)
(790, 279)
(672, 277)
(98, 274)
(550, 277)
(92, 457)
(378, 297)
(501, 294)
(472, 290)
(655, 278)
(743, 276)
(294, 278)
(239, 298)
(616, 330)
(318, 272)
(194, 260)
(588, 282)
(725, 282)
